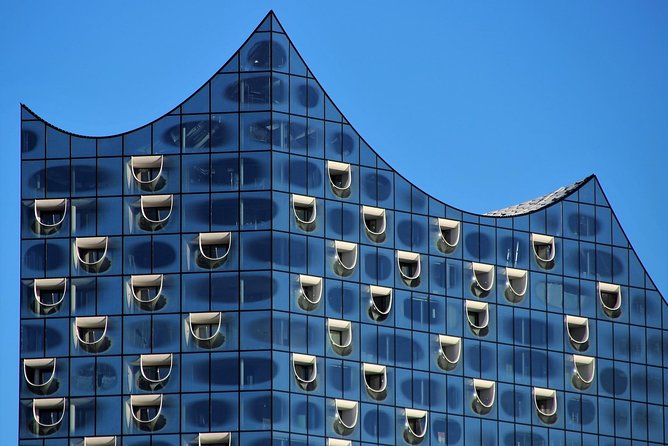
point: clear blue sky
(481, 104)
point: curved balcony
(346, 416)
(610, 296)
(305, 211)
(214, 439)
(91, 333)
(477, 315)
(99, 441)
(345, 258)
(40, 375)
(305, 368)
(517, 283)
(449, 352)
(155, 211)
(415, 426)
(545, 401)
(380, 304)
(577, 329)
(544, 250)
(154, 370)
(47, 415)
(146, 411)
(48, 295)
(410, 267)
(484, 395)
(375, 380)
(340, 178)
(214, 247)
(205, 329)
(147, 171)
(584, 371)
(375, 223)
(340, 336)
(91, 253)
(449, 232)
(310, 292)
(482, 279)
(49, 215)
(146, 290)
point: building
(246, 270)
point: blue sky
(481, 104)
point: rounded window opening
(448, 235)
(477, 315)
(305, 368)
(154, 371)
(215, 439)
(47, 414)
(205, 329)
(449, 352)
(380, 304)
(484, 394)
(146, 411)
(517, 281)
(340, 178)
(338, 442)
(415, 425)
(155, 211)
(147, 171)
(340, 336)
(577, 329)
(310, 292)
(40, 375)
(544, 250)
(345, 258)
(375, 380)
(49, 294)
(584, 371)
(146, 290)
(610, 296)
(345, 419)
(214, 248)
(49, 215)
(305, 211)
(482, 279)
(374, 223)
(409, 267)
(92, 253)
(545, 401)
(91, 333)
(99, 441)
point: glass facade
(246, 270)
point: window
(91, 333)
(610, 296)
(450, 350)
(346, 257)
(340, 178)
(213, 248)
(49, 294)
(517, 281)
(305, 211)
(49, 215)
(147, 171)
(477, 314)
(483, 279)
(381, 302)
(448, 235)
(374, 223)
(155, 211)
(545, 401)
(484, 393)
(92, 253)
(544, 250)
(375, 380)
(340, 336)
(305, 368)
(584, 371)
(346, 416)
(409, 267)
(310, 292)
(40, 374)
(416, 425)
(577, 329)
(47, 413)
(146, 410)
(205, 329)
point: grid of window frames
(246, 270)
